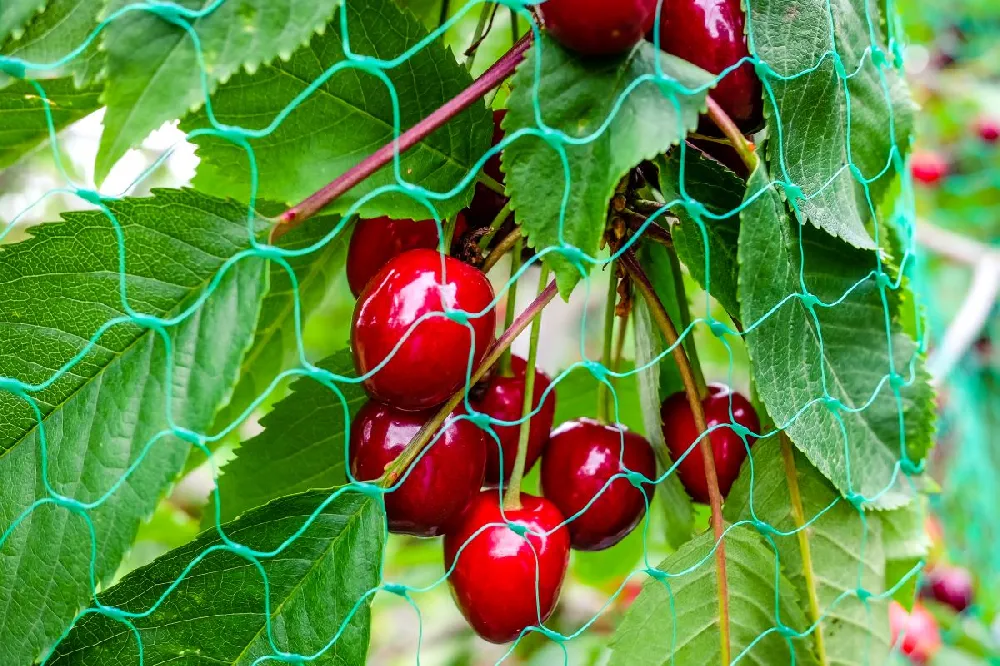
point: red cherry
(950, 585)
(598, 27)
(988, 129)
(920, 635)
(495, 574)
(439, 485)
(376, 241)
(431, 364)
(579, 462)
(503, 400)
(679, 431)
(710, 34)
(928, 168)
(487, 204)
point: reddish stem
(490, 79)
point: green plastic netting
(896, 220)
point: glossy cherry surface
(503, 399)
(439, 485)
(598, 27)
(988, 129)
(495, 574)
(680, 431)
(710, 34)
(431, 364)
(921, 637)
(949, 585)
(928, 168)
(581, 458)
(375, 241)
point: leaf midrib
(116, 357)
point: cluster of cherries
(424, 320)
(929, 167)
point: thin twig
(733, 133)
(502, 248)
(396, 469)
(493, 77)
(970, 319)
(603, 390)
(952, 246)
(669, 331)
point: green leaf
(347, 118)
(842, 340)
(845, 551)
(153, 73)
(302, 446)
(54, 34)
(56, 291)
(720, 191)
(275, 345)
(314, 585)
(576, 397)
(676, 620)
(576, 96)
(811, 118)
(23, 125)
(661, 379)
(15, 14)
(906, 546)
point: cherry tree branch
(493, 77)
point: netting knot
(597, 369)
(878, 56)
(656, 574)
(863, 594)
(787, 631)
(717, 328)
(13, 67)
(11, 385)
(809, 301)
(169, 12)
(636, 479)
(395, 588)
(897, 381)
(372, 490)
(695, 209)
(551, 634)
(832, 404)
(793, 192)
(479, 419)
(857, 500)
(741, 430)
(883, 280)
(458, 316)
(90, 196)
(186, 435)
(910, 468)
(519, 529)
(764, 528)
(145, 321)
(838, 67)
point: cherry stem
(733, 133)
(512, 498)
(483, 28)
(691, 389)
(604, 407)
(406, 457)
(620, 343)
(488, 181)
(515, 265)
(448, 231)
(799, 516)
(490, 79)
(502, 248)
(495, 225)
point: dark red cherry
(988, 129)
(921, 637)
(598, 27)
(377, 240)
(579, 462)
(432, 362)
(728, 448)
(439, 485)
(495, 574)
(503, 400)
(710, 34)
(928, 168)
(949, 585)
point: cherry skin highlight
(710, 34)
(928, 168)
(495, 574)
(598, 27)
(439, 485)
(503, 400)
(680, 431)
(949, 585)
(921, 637)
(432, 363)
(581, 458)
